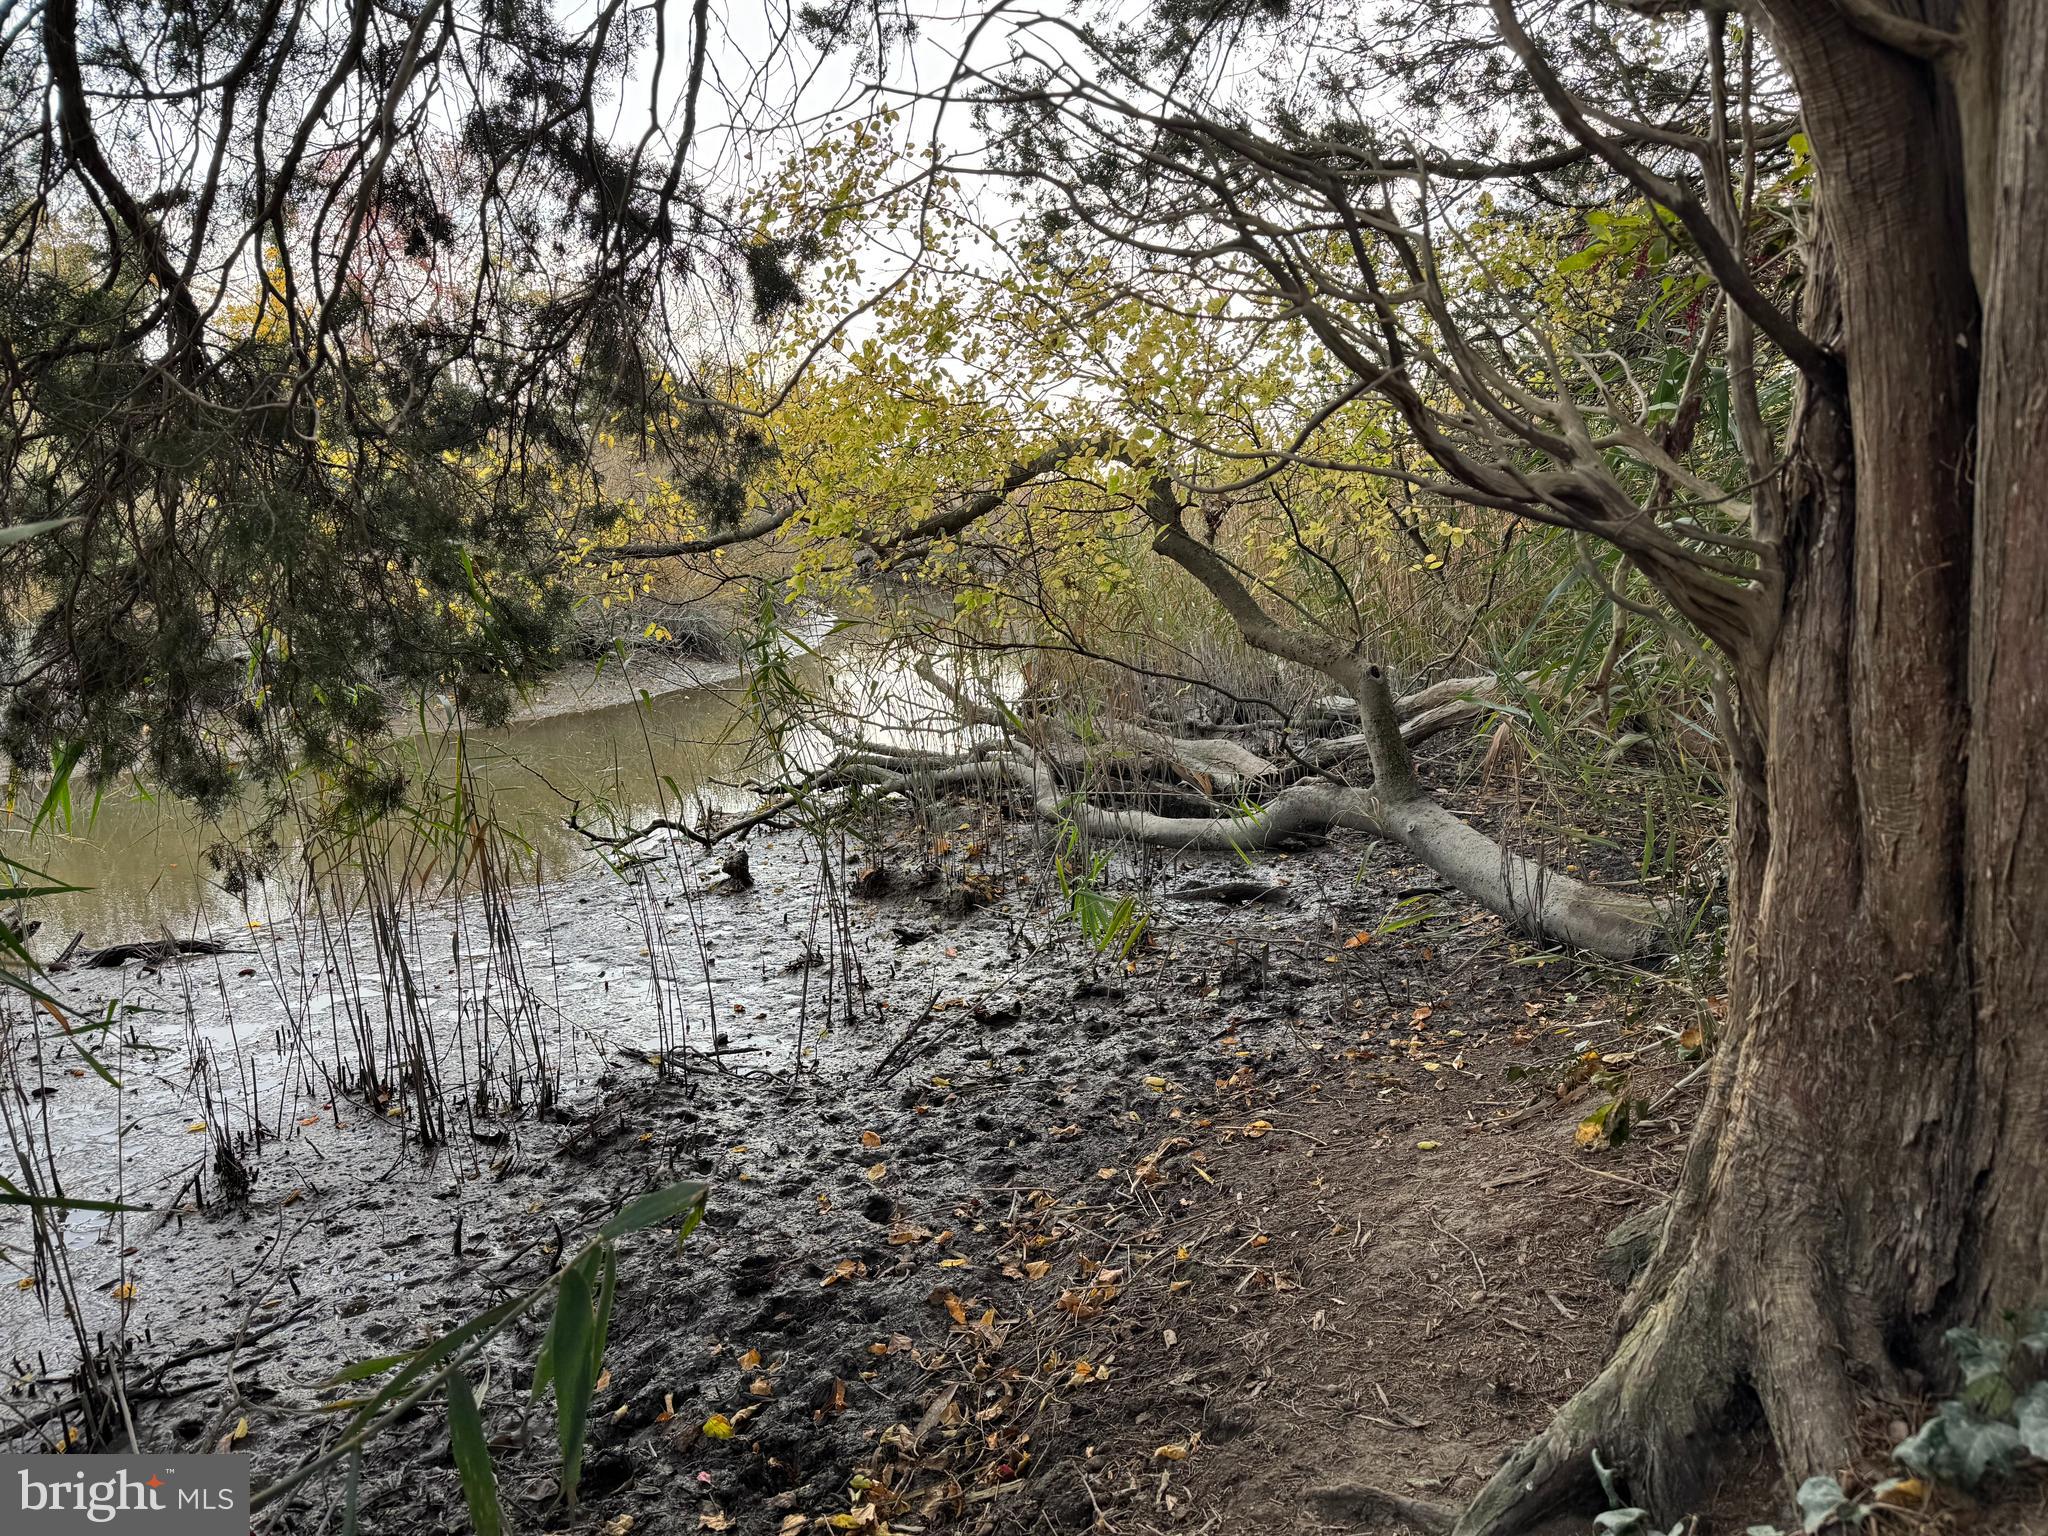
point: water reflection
(625, 745)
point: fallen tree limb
(1527, 892)
(1524, 891)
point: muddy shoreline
(931, 1223)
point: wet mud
(974, 1189)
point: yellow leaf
(125, 1291)
(241, 1429)
(1427, 1146)
(875, 1173)
(1171, 1453)
(718, 1427)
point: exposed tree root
(1351, 1502)
(1691, 1374)
(1655, 1413)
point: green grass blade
(473, 1458)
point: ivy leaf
(1961, 1447)
(2032, 1414)
(2034, 1332)
(1821, 1501)
(1978, 1355)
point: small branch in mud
(149, 951)
(707, 837)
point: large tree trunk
(2004, 1261)
(1871, 1164)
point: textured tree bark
(2005, 1254)
(1871, 1164)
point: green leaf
(575, 1379)
(351, 1493)
(1961, 1447)
(12, 1194)
(2034, 1332)
(544, 1362)
(1821, 1500)
(603, 1327)
(1977, 1355)
(2031, 1412)
(434, 1355)
(473, 1458)
(95, 1063)
(362, 1370)
(657, 1208)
